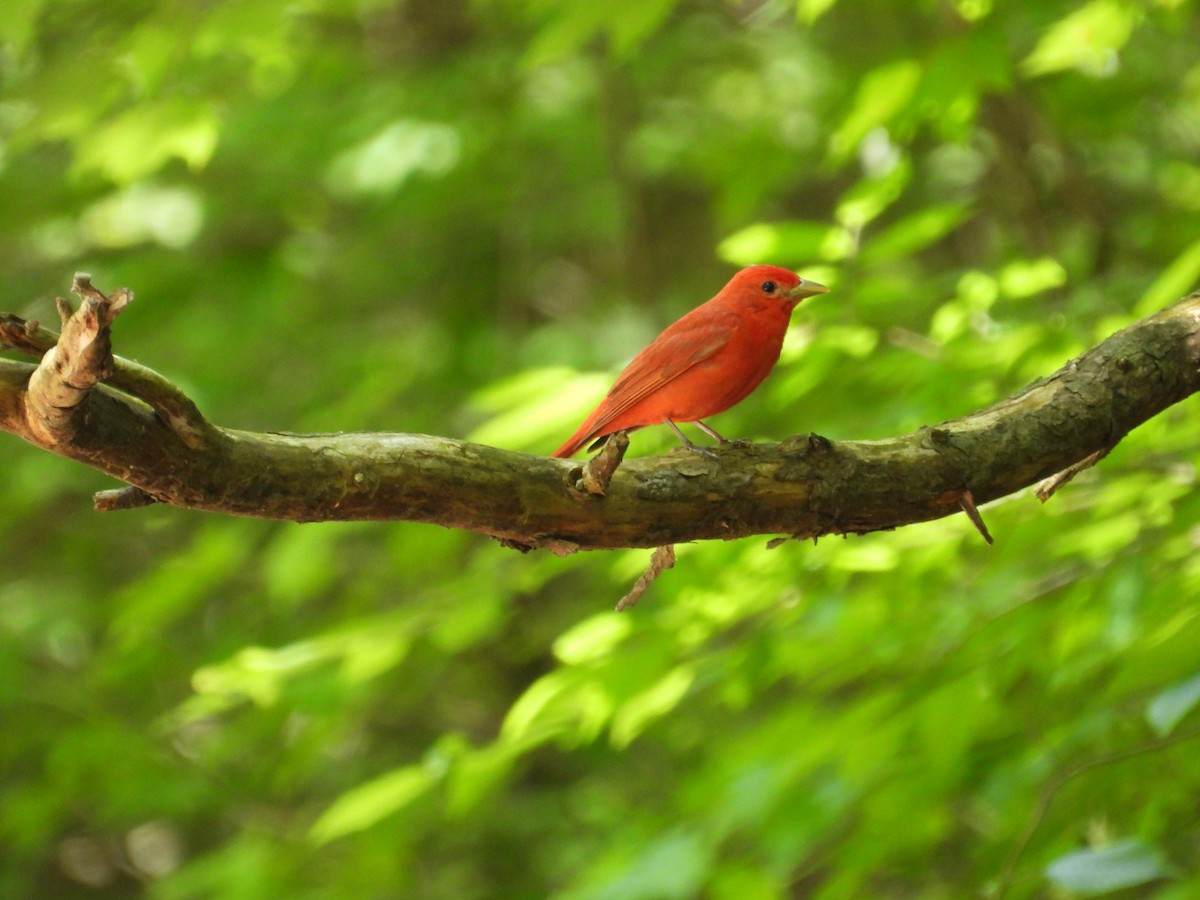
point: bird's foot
(683, 439)
(737, 443)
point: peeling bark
(133, 424)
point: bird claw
(703, 451)
(738, 443)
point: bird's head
(759, 283)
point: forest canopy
(460, 219)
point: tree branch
(136, 426)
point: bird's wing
(685, 344)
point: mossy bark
(145, 433)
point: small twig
(967, 502)
(64, 311)
(174, 407)
(1048, 486)
(598, 471)
(1054, 785)
(26, 337)
(661, 560)
(69, 370)
(128, 497)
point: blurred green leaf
(811, 10)
(882, 94)
(632, 716)
(569, 705)
(914, 233)
(572, 25)
(794, 242)
(17, 22)
(1024, 278)
(368, 803)
(1168, 708)
(671, 866)
(537, 408)
(139, 142)
(1087, 39)
(864, 202)
(593, 638)
(1124, 864)
(1179, 278)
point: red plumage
(706, 361)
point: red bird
(705, 362)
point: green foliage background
(460, 218)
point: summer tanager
(705, 362)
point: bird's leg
(703, 451)
(720, 438)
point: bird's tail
(574, 442)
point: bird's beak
(807, 289)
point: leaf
(1177, 279)
(882, 94)
(1169, 706)
(871, 196)
(866, 556)
(537, 408)
(298, 563)
(795, 242)
(635, 714)
(593, 638)
(915, 232)
(382, 163)
(808, 11)
(19, 22)
(567, 704)
(1087, 39)
(574, 24)
(672, 866)
(1026, 277)
(142, 140)
(1121, 865)
(368, 803)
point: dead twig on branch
(661, 559)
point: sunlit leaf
(1024, 278)
(866, 555)
(659, 699)
(142, 140)
(915, 232)
(368, 803)
(783, 242)
(571, 25)
(809, 11)
(866, 200)
(592, 638)
(1179, 278)
(882, 94)
(1087, 39)
(538, 407)
(564, 704)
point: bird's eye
(768, 287)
